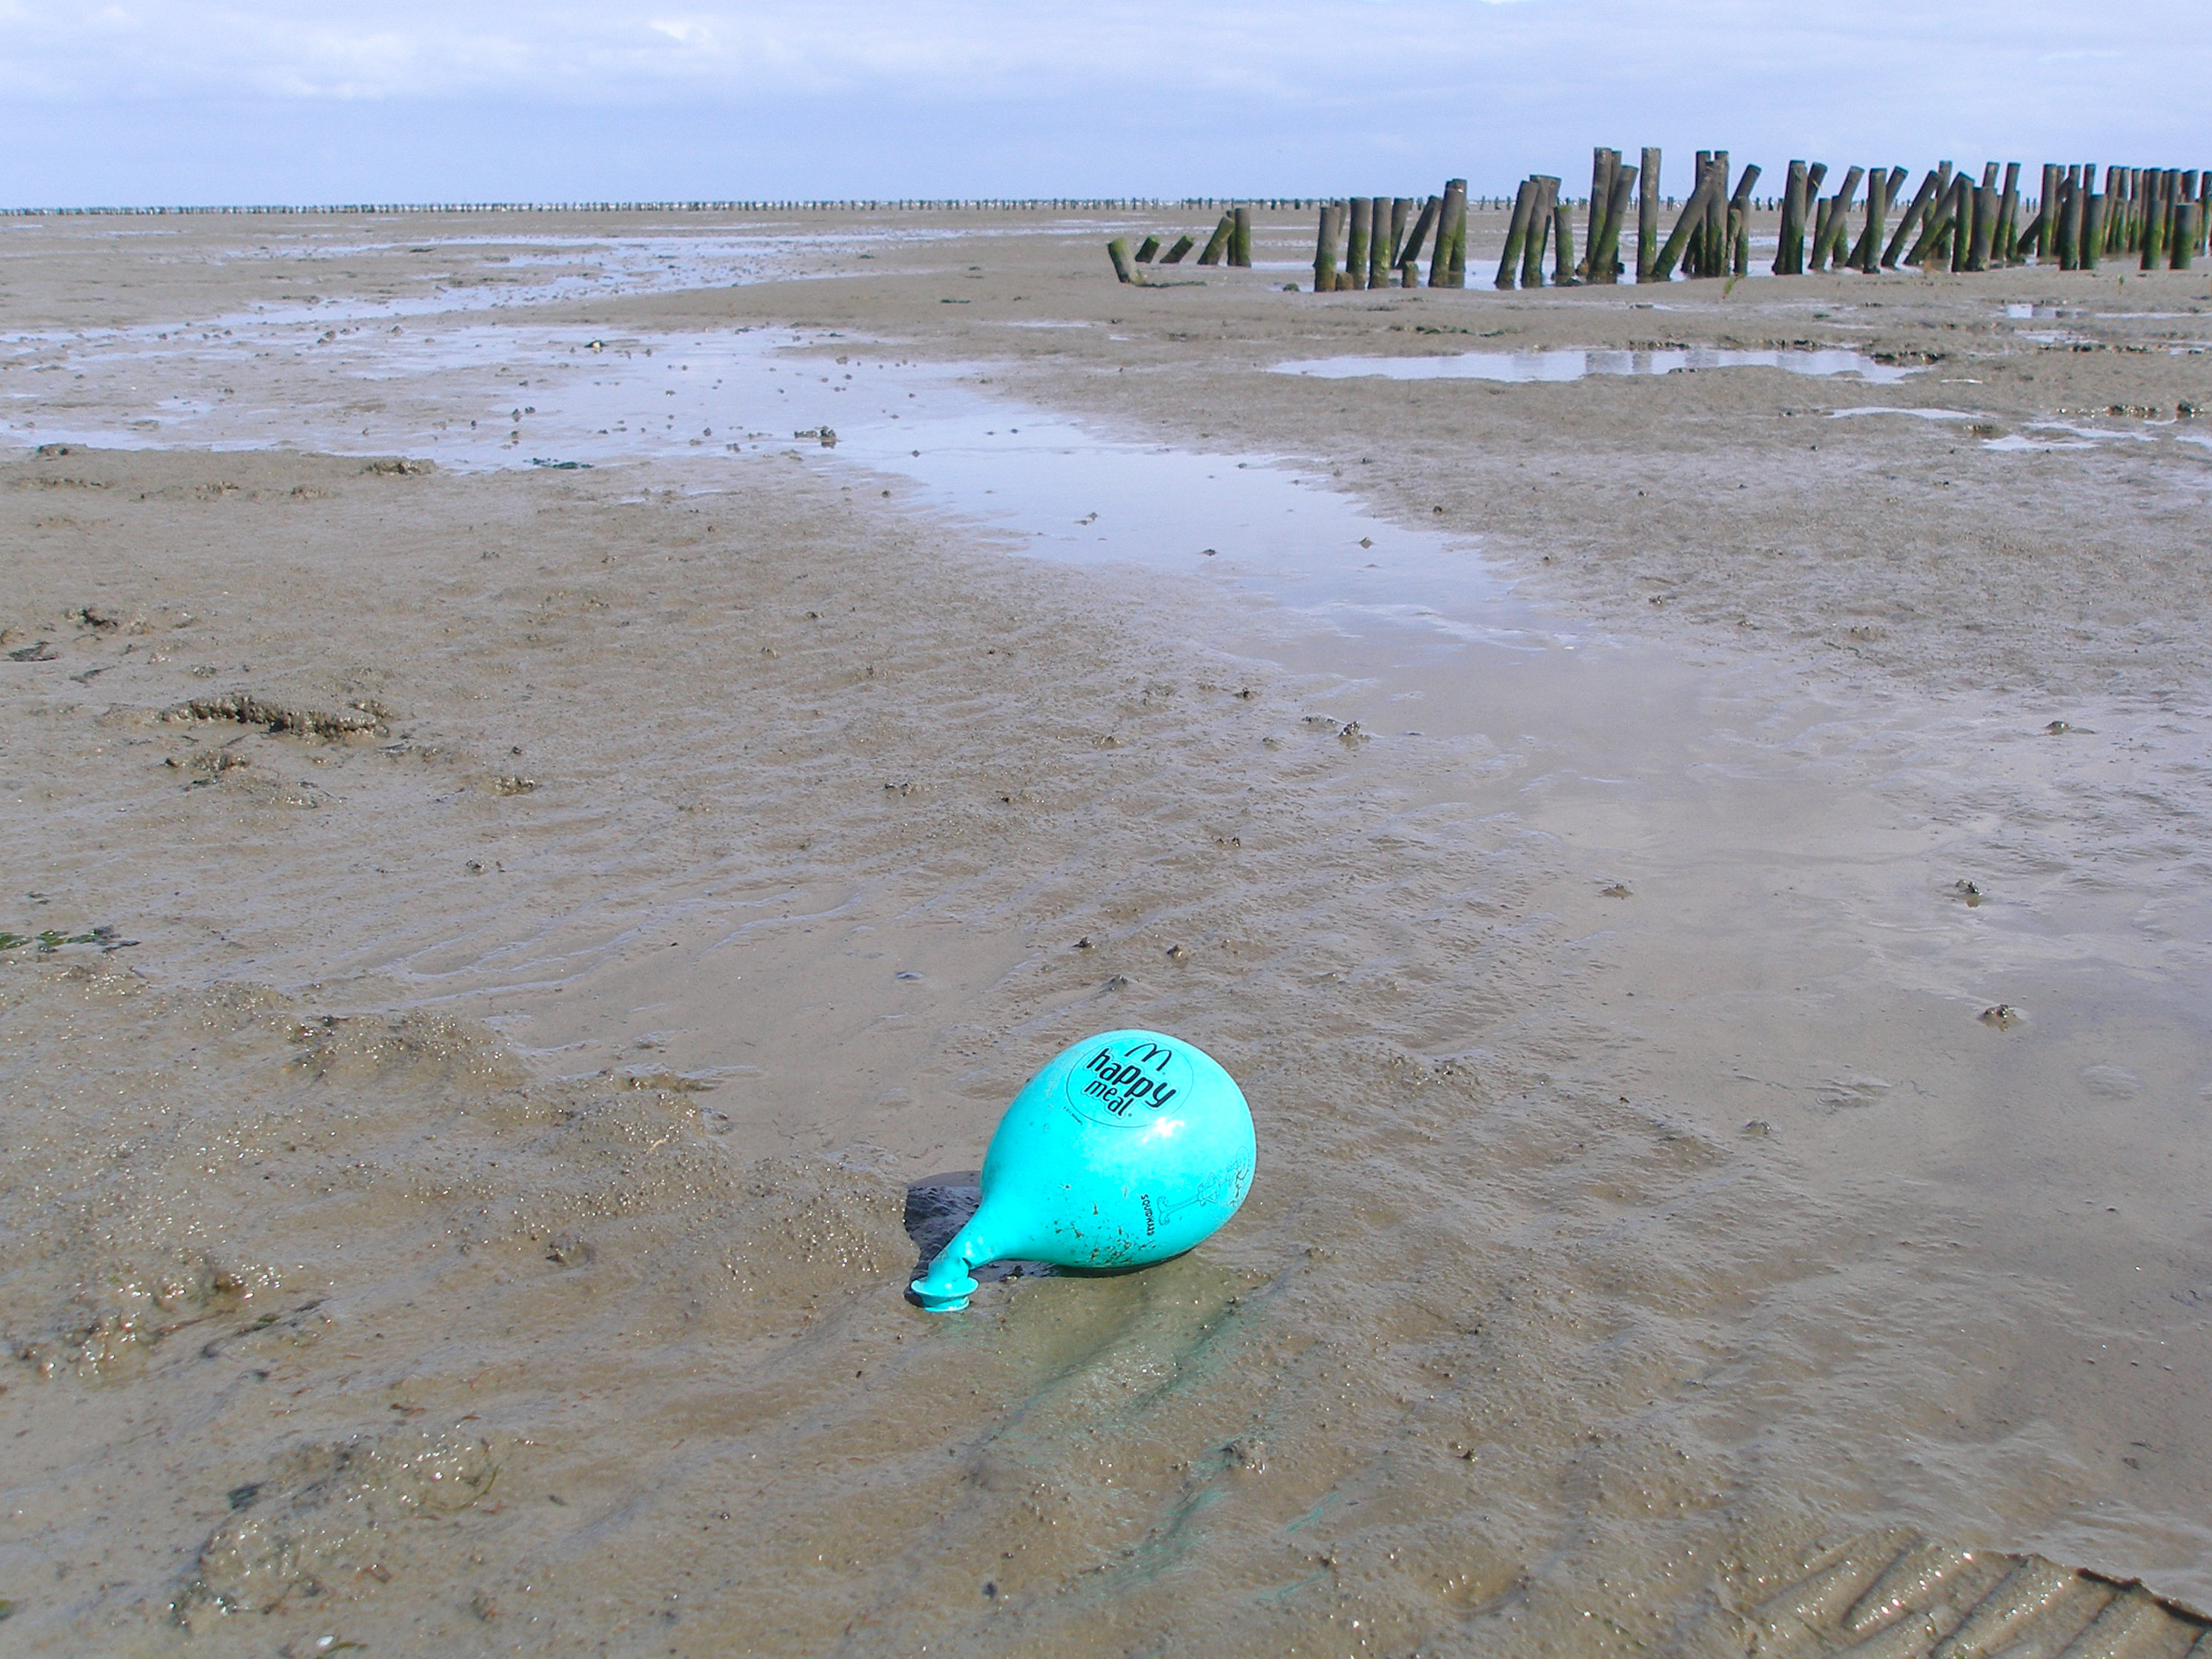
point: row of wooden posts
(1953, 223)
(1230, 245)
(1381, 238)
(2159, 216)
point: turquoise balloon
(1128, 1149)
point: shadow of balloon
(937, 1207)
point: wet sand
(518, 935)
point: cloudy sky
(300, 100)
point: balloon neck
(947, 1285)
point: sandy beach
(560, 769)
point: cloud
(1048, 97)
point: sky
(408, 101)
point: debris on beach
(246, 708)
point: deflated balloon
(1129, 1148)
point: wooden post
(1934, 226)
(2154, 238)
(1325, 250)
(1600, 193)
(1789, 251)
(1856, 259)
(2046, 215)
(1240, 239)
(1716, 217)
(1401, 212)
(1605, 253)
(1647, 213)
(1182, 245)
(1540, 234)
(1378, 242)
(1918, 217)
(1809, 209)
(1822, 211)
(1409, 257)
(1866, 252)
(1697, 255)
(1450, 252)
(1219, 241)
(1517, 233)
(1355, 251)
(1982, 228)
(1693, 215)
(1737, 226)
(1540, 230)
(1563, 246)
(2185, 220)
(1146, 249)
(1702, 257)
(2069, 220)
(2093, 223)
(1962, 220)
(1118, 252)
(1839, 220)
(2007, 242)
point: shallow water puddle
(479, 398)
(1521, 367)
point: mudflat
(557, 771)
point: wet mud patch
(345, 1249)
(326, 1523)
